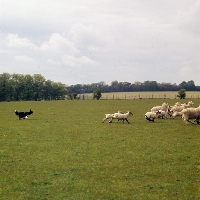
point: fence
(140, 95)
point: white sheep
(179, 107)
(164, 107)
(152, 115)
(121, 116)
(163, 114)
(191, 113)
(109, 116)
(188, 105)
(176, 113)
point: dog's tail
(29, 113)
(16, 112)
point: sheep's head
(130, 113)
(119, 111)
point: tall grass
(63, 151)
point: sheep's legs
(197, 120)
(104, 119)
(126, 120)
(119, 120)
(110, 120)
(189, 121)
(152, 120)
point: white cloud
(23, 58)
(69, 41)
(52, 62)
(78, 61)
(15, 41)
(58, 44)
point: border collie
(23, 115)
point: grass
(63, 151)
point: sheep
(121, 116)
(109, 116)
(163, 114)
(179, 107)
(152, 115)
(176, 113)
(164, 107)
(177, 104)
(191, 113)
(188, 105)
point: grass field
(63, 151)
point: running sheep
(109, 116)
(151, 116)
(191, 113)
(163, 114)
(121, 116)
(177, 108)
(164, 107)
(175, 114)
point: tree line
(116, 86)
(17, 87)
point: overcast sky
(88, 41)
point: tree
(190, 85)
(5, 87)
(59, 91)
(181, 94)
(97, 94)
(38, 86)
(150, 86)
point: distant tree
(97, 94)
(181, 94)
(114, 86)
(72, 96)
(5, 87)
(38, 83)
(150, 86)
(59, 91)
(189, 86)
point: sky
(90, 41)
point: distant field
(63, 151)
(143, 95)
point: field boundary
(140, 95)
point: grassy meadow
(63, 151)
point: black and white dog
(23, 115)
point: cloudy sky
(88, 41)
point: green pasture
(64, 151)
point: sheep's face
(130, 113)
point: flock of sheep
(187, 111)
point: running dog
(23, 115)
